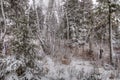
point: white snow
(76, 70)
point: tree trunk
(110, 34)
(90, 45)
(37, 17)
(2, 36)
(3, 15)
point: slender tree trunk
(50, 6)
(90, 45)
(110, 34)
(3, 15)
(101, 50)
(5, 29)
(68, 32)
(37, 17)
(67, 27)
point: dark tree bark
(110, 33)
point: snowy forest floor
(76, 70)
(78, 65)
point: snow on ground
(67, 72)
(11, 76)
(76, 70)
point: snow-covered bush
(13, 69)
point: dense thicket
(31, 30)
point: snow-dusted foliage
(59, 40)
